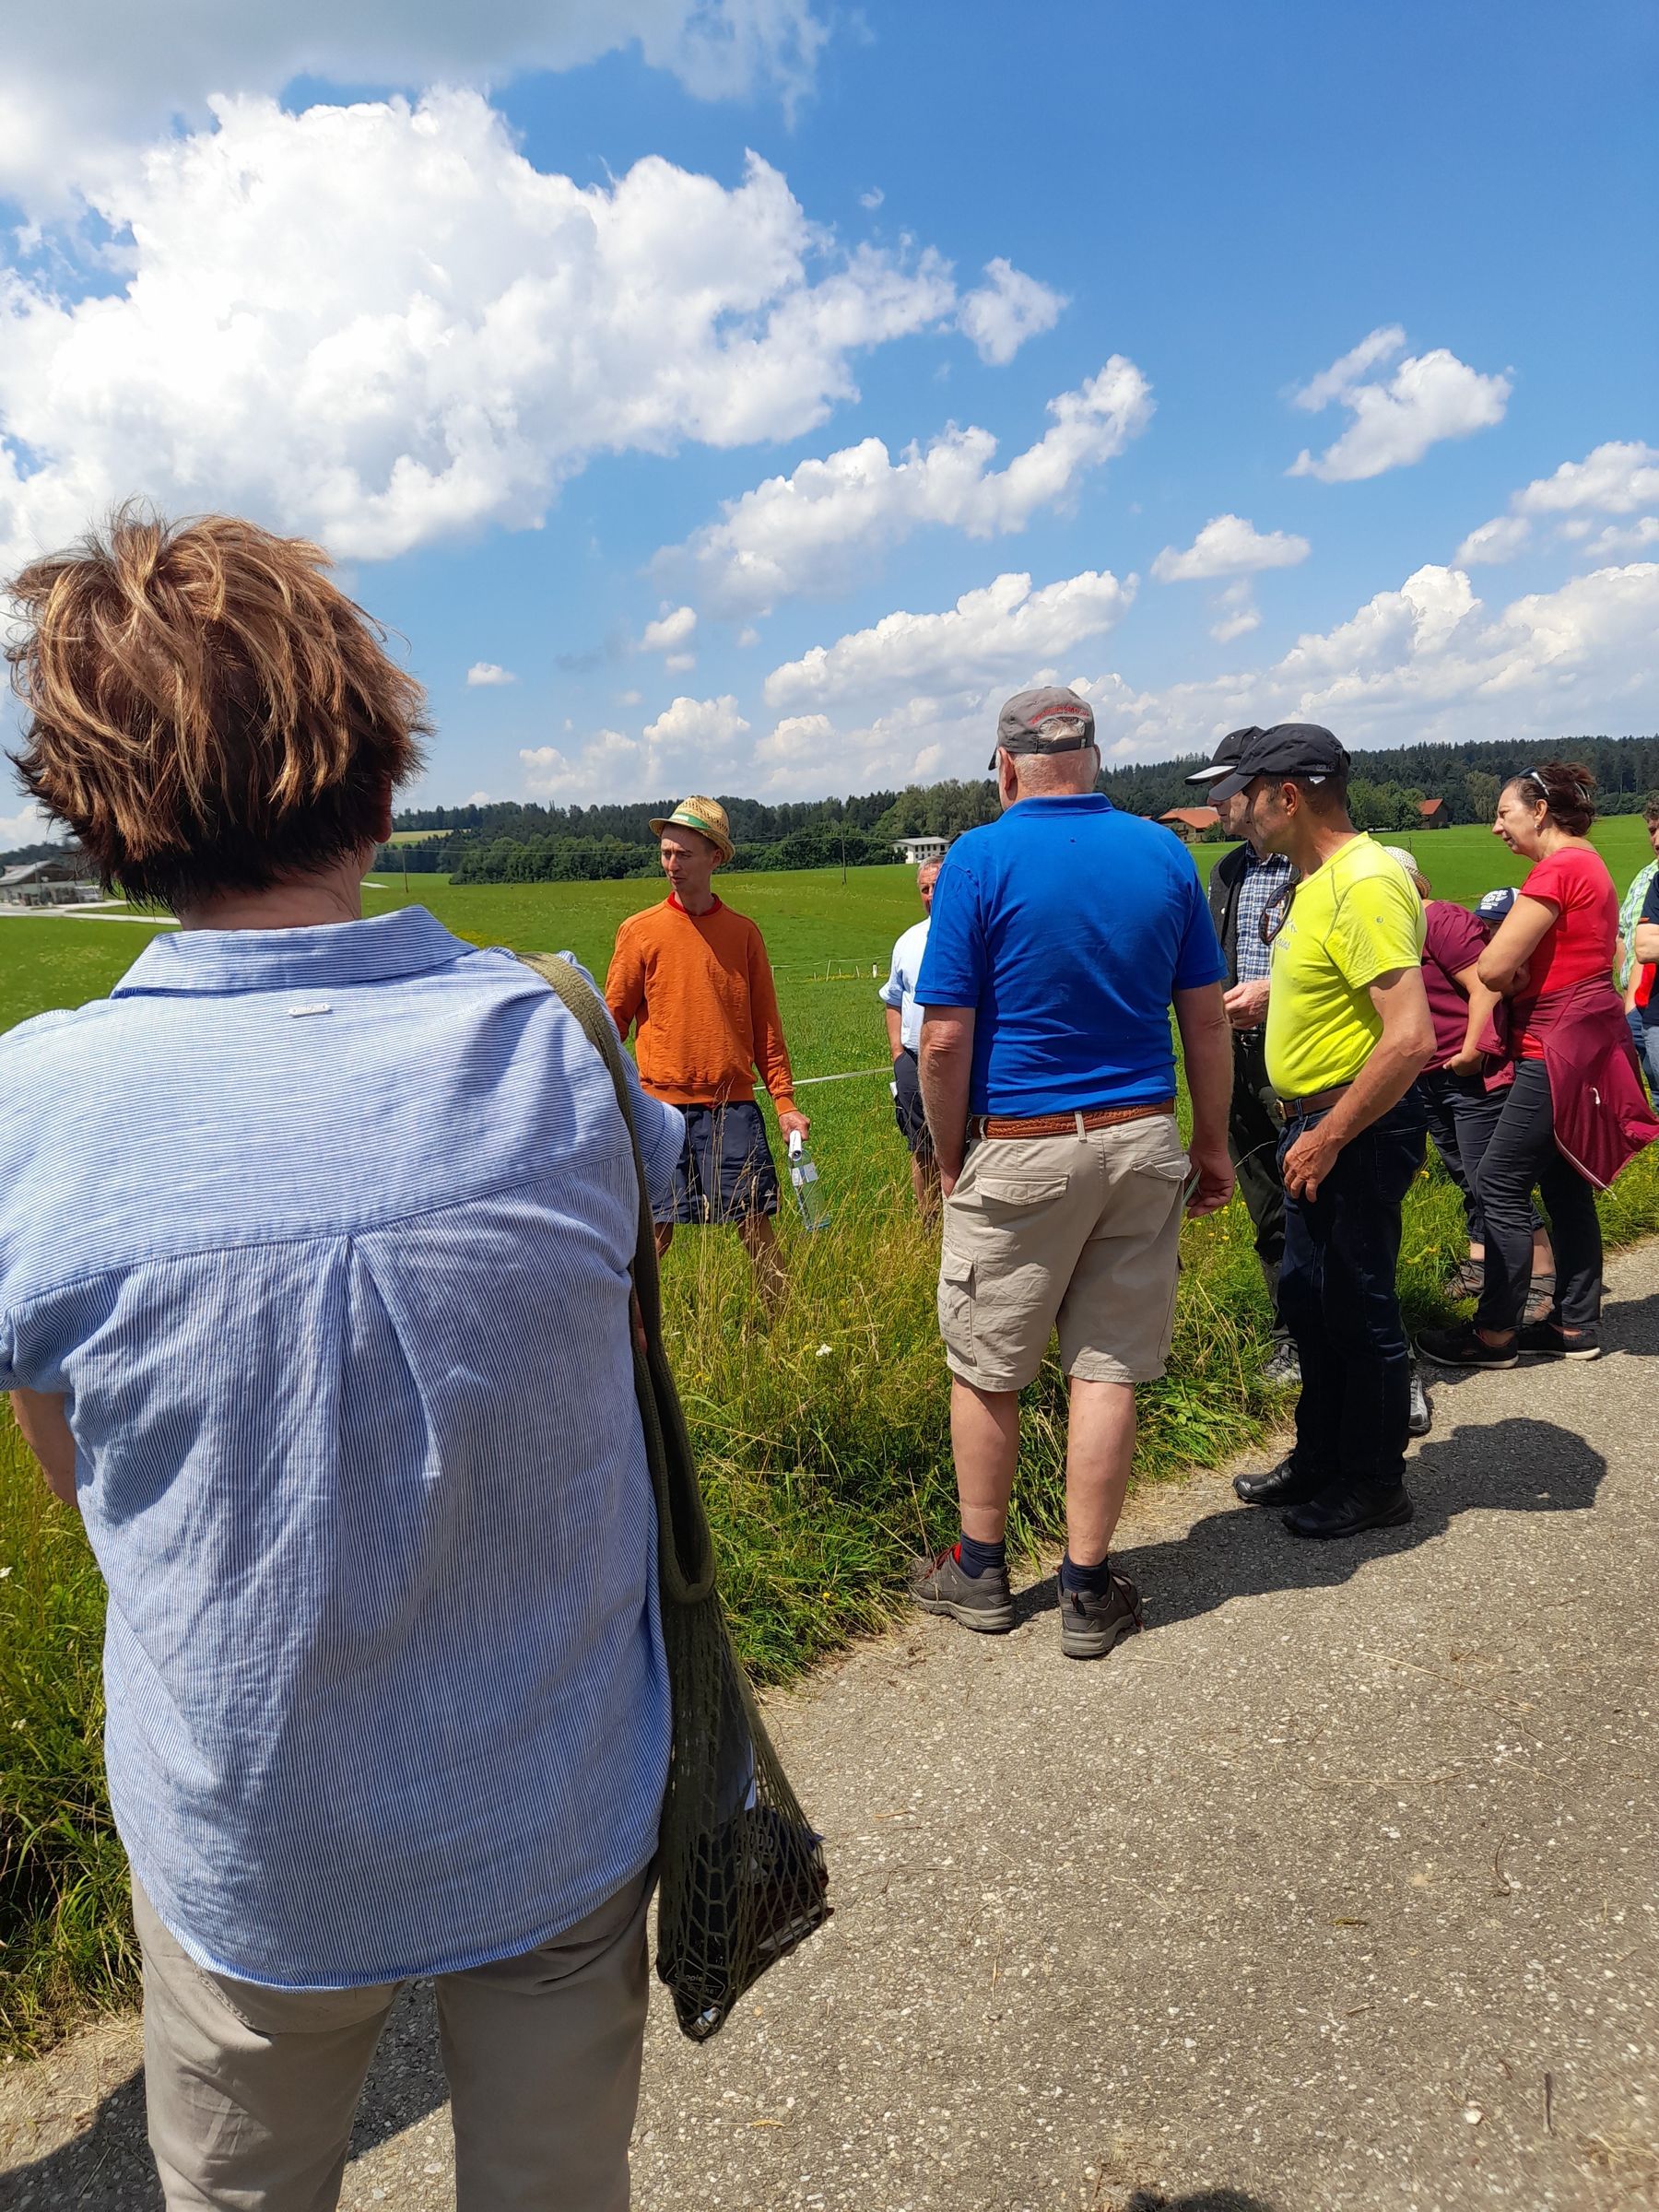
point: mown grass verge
(823, 1440)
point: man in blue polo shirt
(1061, 937)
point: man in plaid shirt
(1248, 894)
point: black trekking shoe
(1280, 1486)
(1550, 1340)
(1463, 1346)
(1349, 1510)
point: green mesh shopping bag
(741, 1877)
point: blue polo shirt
(1068, 926)
(323, 1234)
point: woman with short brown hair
(209, 713)
(314, 1246)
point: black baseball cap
(1019, 727)
(1227, 755)
(1305, 750)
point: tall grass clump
(65, 1928)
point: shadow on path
(109, 2167)
(1522, 1466)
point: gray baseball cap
(1019, 727)
(1228, 752)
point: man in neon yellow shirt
(1349, 1032)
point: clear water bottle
(808, 1191)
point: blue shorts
(907, 1106)
(725, 1171)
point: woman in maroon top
(1552, 959)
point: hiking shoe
(1283, 1372)
(1090, 1626)
(1463, 1346)
(1283, 1485)
(1467, 1279)
(1540, 1300)
(1549, 1340)
(1350, 1510)
(1422, 1418)
(978, 1601)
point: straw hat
(1408, 862)
(707, 817)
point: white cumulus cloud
(29, 825)
(86, 79)
(670, 632)
(1236, 613)
(1429, 397)
(815, 532)
(382, 324)
(1004, 625)
(1001, 315)
(1427, 660)
(485, 675)
(1499, 540)
(693, 744)
(1615, 478)
(1229, 546)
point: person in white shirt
(898, 995)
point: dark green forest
(512, 843)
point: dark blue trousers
(1338, 1301)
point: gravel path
(1335, 1889)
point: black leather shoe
(1280, 1486)
(1349, 1509)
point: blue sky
(659, 366)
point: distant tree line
(510, 841)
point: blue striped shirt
(325, 1233)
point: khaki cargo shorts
(1078, 1233)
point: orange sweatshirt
(700, 988)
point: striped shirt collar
(408, 942)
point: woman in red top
(1552, 952)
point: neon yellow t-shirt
(1356, 918)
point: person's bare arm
(1647, 945)
(1398, 1059)
(1481, 1002)
(895, 1021)
(1502, 966)
(1206, 1050)
(946, 1064)
(45, 1429)
(625, 985)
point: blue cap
(1496, 904)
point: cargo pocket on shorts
(1004, 1194)
(956, 1297)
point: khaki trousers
(251, 2091)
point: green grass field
(823, 1440)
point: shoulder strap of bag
(686, 1548)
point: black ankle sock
(973, 1559)
(1096, 1580)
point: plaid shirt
(1264, 882)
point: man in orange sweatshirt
(692, 978)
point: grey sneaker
(977, 1601)
(1090, 1626)
(1422, 1417)
(1283, 1372)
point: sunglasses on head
(1276, 912)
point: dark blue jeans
(1338, 1299)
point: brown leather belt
(1064, 1125)
(1315, 1102)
